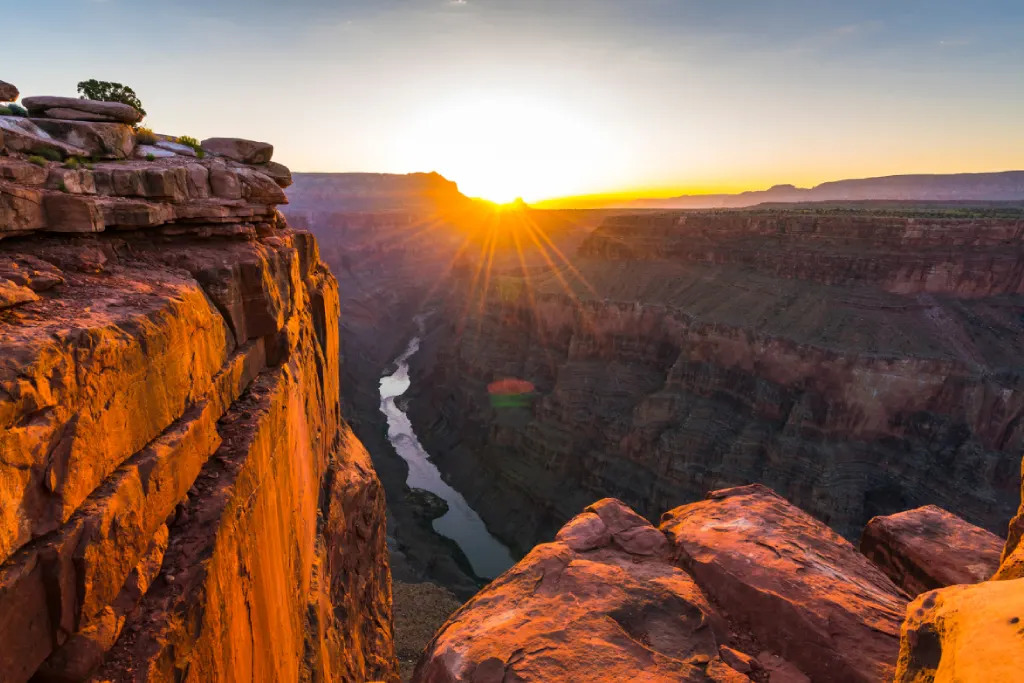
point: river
(486, 554)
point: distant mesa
(956, 187)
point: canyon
(244, 443)
(858, 363)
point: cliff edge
(179, 496)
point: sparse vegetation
(193, 143)
(150, 157)
(5, 111)
(108, 91)
(62, 187)
(71, 163)
(17, 110)
(47, 153)
(146, 136)
(37, 160)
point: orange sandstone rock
(802, 591)
(585, 608)
(929, 548)
(966, 634)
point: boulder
(967, 634)
(8, 93)
(237, 149)
(22, 135)
(598, 614)
(929, 548)
(28, 271)
(75, 109)
(278, 172)
(799, 588)
(259, 188)
(102, 140)
(12, 294)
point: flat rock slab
(585, 609)
(966, 634)
(22, 135)
(101, 140)
(75, 109)
(798, 587)
(237, 149)
(929, 548)
(143, 151)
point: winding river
(461, 523)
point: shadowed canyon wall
(860, 363)
(180, 498)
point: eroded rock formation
(929, 548)
(179, 496)
(859, 363)
(741, 585)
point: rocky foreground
(179, 498)
(741, 586)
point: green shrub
(17, 110)
(150, 157)
(6, 111)
(37, 160)
(47, 153)
(107, 91)
(62, 187)
(193, 143)
(71, 163)
(146, 136)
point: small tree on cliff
(107, 91)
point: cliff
(858, 363)
(180, 498)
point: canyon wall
(859, 363)
(180, 498)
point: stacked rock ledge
(179, 497)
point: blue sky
(642, 95)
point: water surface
(486, 554)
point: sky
(548, 98)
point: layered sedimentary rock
(179, 496)
(741, 586)
(859, 363)
(929, 548)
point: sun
(502, 147)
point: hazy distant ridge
(1003, 186)
(372, 191)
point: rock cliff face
(180, 498)
(860, 364)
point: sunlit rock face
(743, 585)
(860, 364)
(929, 548)
(179, 497)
